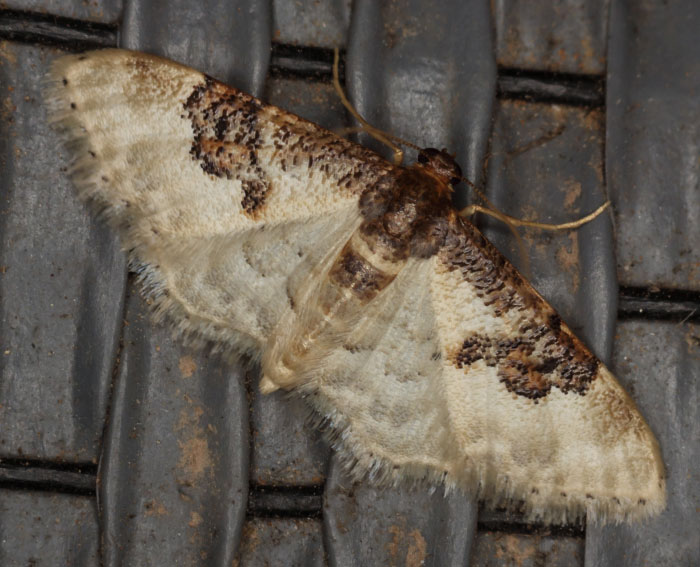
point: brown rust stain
(692, 341)
(7, 54)
(417, 550)
(587, 53)
(412, 542)
(187, 366)
(250, 538)
(568, 259)
(393, 546)
(195, 454)
(195, 519)
(593, 121)
(572, 193)
(541, 140)
(154, 508)
(8, 109)
(195, 457)
(516, 550)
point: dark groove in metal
(55, 31)
(513, 521)
(298, 62)
(304, 62)
(577, 531)
(48, 476)
(549, 87)
(659, 304)
(285, 501)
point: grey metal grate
(551, 108)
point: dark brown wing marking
(544, 353)
(239, 137)
(227, 139)
(532, 363)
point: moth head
(441, 165)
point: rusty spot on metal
(187, 366)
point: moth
(356, 285)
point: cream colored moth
(356, 285)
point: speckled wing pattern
(203, 183)
(357, 286)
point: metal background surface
(552, 107)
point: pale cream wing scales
(536, 417)
(193, 173)
(380, 390)
(241, 283)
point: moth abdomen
(358, 274)
(362, 272)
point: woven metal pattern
(551, 109)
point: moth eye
(455, 180)
(422, 158)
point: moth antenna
(376, 133)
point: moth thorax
(440, 165)
(399, 219)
